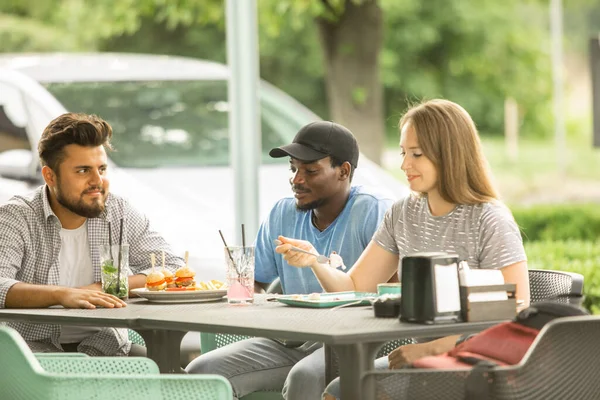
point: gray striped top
(485, 235)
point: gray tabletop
(125, 317)
(274, 319)
(269, 319)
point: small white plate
(183, 296)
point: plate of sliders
(164, 287)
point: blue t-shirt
(348, 235)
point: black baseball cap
(318, 140)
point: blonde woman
(454, 208)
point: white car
(169, 117)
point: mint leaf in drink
(108, 267)
(110, 279)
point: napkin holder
(430, 288)
(494, 310)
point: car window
(169, 123)
(13, 119)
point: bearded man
(50, 239)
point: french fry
(217, 284)
(213, 284)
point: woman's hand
(296, 258)
(408, 353)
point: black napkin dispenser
(430, 288)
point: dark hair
(336, 162)
(71, 128)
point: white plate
(188, 296)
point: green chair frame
(26, 376)
(135, 337)
(99, 365)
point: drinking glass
(240, 274)
(112, 282)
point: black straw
(119, 264)
(110, 243)
(228, 251)
(243, 237)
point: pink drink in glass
(240, 274)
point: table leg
(355, 360)
(164, 348)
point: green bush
(559, 222)
(578, 256)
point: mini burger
(184, 277)
(169, 278)
(155, 281)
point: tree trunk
(351, 47)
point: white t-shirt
(75, 270)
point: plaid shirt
(29, 248)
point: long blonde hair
(448, 137)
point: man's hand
(94, 286)
(135, 281)
(87, 298)
(296, 258)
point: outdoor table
(353, 332)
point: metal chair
(135, 337)
(99, 365)
(561, 286)
(59, 355)
(545, 285)
(562, 363)
(24, 378)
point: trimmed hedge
(559, 222)
(578, 256)
(564, 237)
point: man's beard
(310, 206)
(79, 207)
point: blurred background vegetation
(475, 52)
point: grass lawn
(534, 177)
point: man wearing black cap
(332, 215)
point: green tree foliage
(26, 25)
(19, 34)
(291, 62)
(475, 52)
